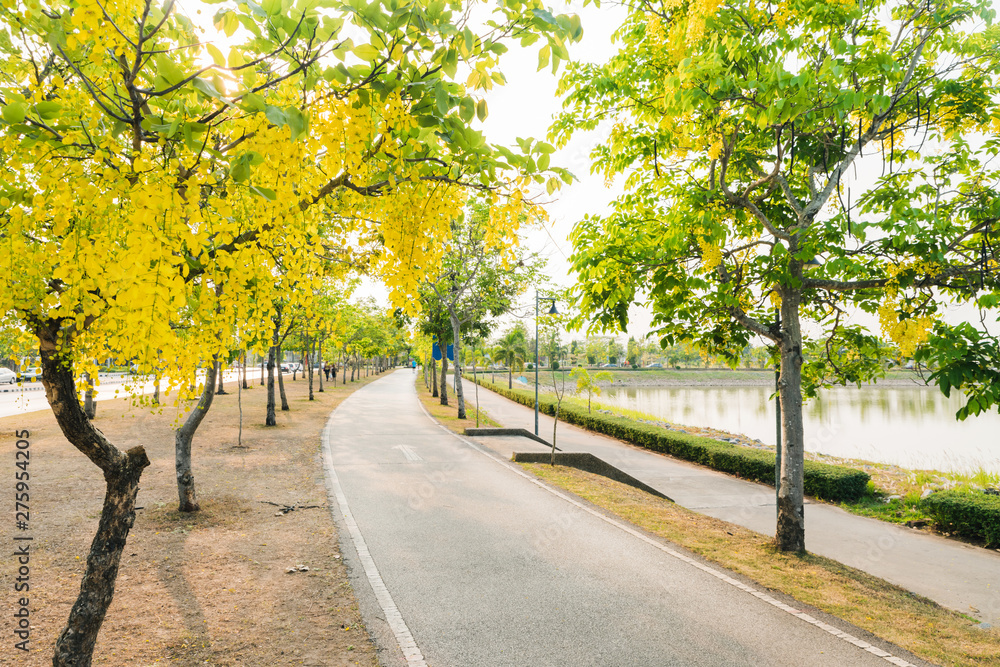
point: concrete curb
(523, 432)
(589, 463)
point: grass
(907, 620)
(448, 414)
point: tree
(633, 353)
(131, 173)
(587, 383)
(739, 127)
(512, 350)
(559, 389)
(479, 277)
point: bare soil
(204, 588)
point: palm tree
(512, 349)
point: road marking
(722, 576)
(412, 654)
(408, 452)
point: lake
(910, 427)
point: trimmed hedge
(966, 513)
(829, 482)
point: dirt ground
(208, 588)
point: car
(610, 366)
(31, 374)
(286, 368)
(7, 376)
(656, 365)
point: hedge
(829, 482)
(967, 513)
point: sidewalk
(956, 575)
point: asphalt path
(461, 559)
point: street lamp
(552, 311)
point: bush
(829, 482)
(970, 514)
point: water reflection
(913, 427)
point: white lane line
(851, 639)
(408, 452)
(412, 654)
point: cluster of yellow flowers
(913, 331)
(711, 254)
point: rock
(926, 493)
(917, 523)
(895, 497)
(991, 491)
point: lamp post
(552, 311)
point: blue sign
(436, 352)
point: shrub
(829, 482)
(967, 513)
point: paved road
(480, 565)
(960, 576)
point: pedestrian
(414, 362)
(333, 370)
(326, 372)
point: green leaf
(297, 121)
(240, 169)
(216, 54)
(481, 111)
(366, 52)
(14, 113)
(48, 110)
(275, 115)
(467, 109)
(543, 57)
(266, 193)
(441, 100)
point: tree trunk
(457, 343)
(555, 424)
(221, 391)
(272, 356)
(443, 390)
(187, 502)
(89, 404)
(510, 376)
(322, 365)
(309, 367)
(246, 359)
(263, 366)
(281, 386)
(790, 533)
(475, 381)
(122, 470)
(434, 378)
(156, 391)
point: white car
(7, 376)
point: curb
(589, 463)
(523, 432)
